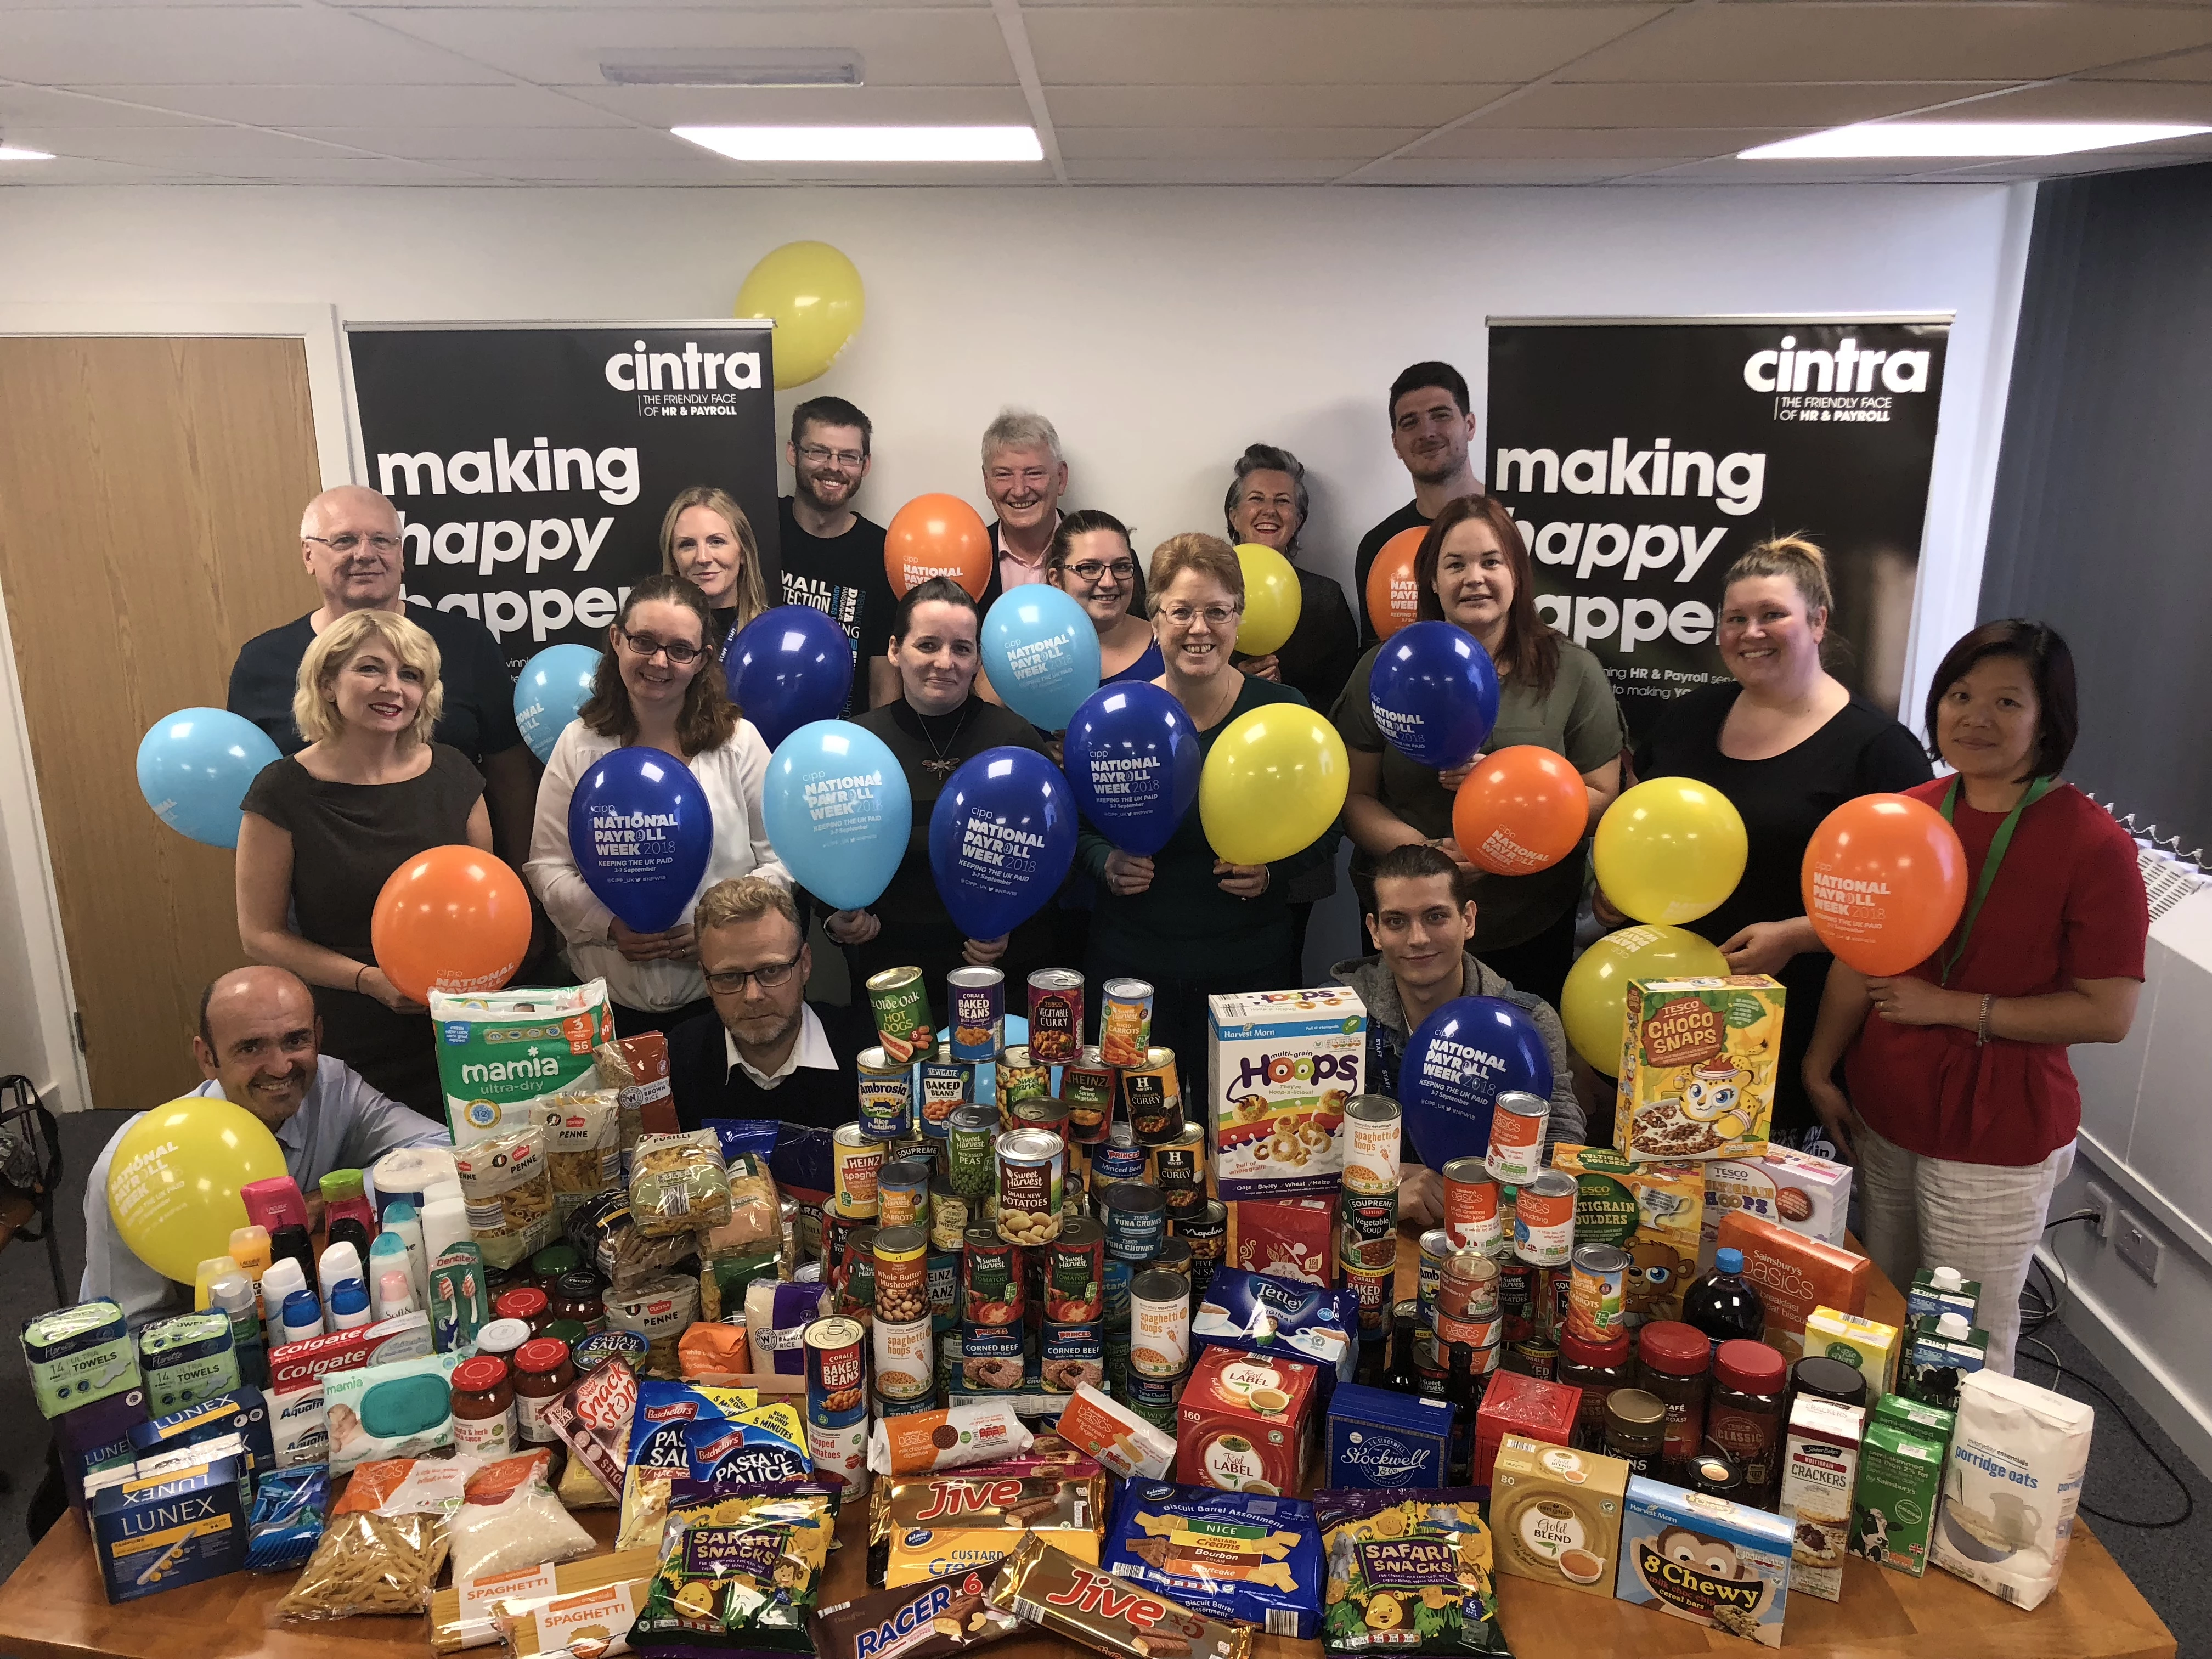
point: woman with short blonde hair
(706, 538)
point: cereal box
(1244, 1422)
(1280, 1067)
(1698, 1060)
(1558, 1513)
(1807, 1196)
(1719, 1565)
(1652, 1211)
(1795, 1275)
(1292, 1238)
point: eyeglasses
(768, 976)
(680, 652)
(818, 454)
(1215, 616)
(349, 543)
(1122, 570)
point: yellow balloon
(1271, 599)
(1669, 850)
(1594, 1005)
(1275, 781)
(173, 1181)
(814, 294)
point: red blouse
(2067, 904)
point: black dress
(1860, 752)
(347, 839)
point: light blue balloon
(838, 812)
(194, 767)
(553, 685)
(1041, 650)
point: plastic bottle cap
(340, 1262)
(1679, 1350)
(502, 1336)
(300, 1308)
(396, 1287)
(233, 1293)
(1728, 1260)
(398, 1210)
(1945, 1279)
(340, 1185)
(1952, 1325)
(1750, 1367)
(349, 1296)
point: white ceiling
(1307, 92)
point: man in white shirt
(1024, 474)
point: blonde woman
(706, 538)
(322, 830)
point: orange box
(1795, 1275)
(1244, 1424)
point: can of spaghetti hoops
(1471, 1205)
(1544, 1220)
(1056, 1015)
(946, 1083)
(1020, 1077)
(886, 1095)
(978, 1011)
(1154, 1100)
(1125, 1021)
(906, 1360)
(1516, 1136)
(836, 1371)
(1086, 1084)
(1159, 1325)
(900, 1002)
(1371, 1126)
(856, 1161)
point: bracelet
(358, 974)
(1982, 1029)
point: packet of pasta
(507, 1181)
(387, 1542)
(678, 1184)
(582, 1146)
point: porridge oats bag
(1698, 1060)
(1280, 1067)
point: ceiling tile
(1728, 170)
(1708, 105)
(1568, 144)
(2182, 66)
(2094, 100)
(1229, 143)
(1351, 105)
(677, 170)
(552, 144)
(24, 106)
(275, 105)
(670, 106)
(1417, 171)
(208, 46)
(1168, 172)
(219, 149)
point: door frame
(26, 861)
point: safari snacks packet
(1406, 1573)
(923, 1526)
(1653, 1211)
(740, 1573)
(1253, 1560)
(934, 1619)
(1071, 1598)
(1280, 1067)
(1697, 1060)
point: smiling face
(936, 660)
(373, 691)
(827, 464)
(1100, 574)
(1421, 930)
(1267, 510)
(1024, 485)
(1195, 644)
(1474, 582)
(262, 1041)
(656, 685)
(706, 548)
(1767, 637)
(363, 575)
(1430, 432)
(1987, 724)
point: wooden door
(150, 492)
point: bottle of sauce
(1724, 1305)
(1459, 1394)
(1673, 1362)
(1401, 1378)
(1597, 1368)
(1636, 1430)
(527, 1304)
(503, 1337)
(543, 1372)
(484, 1420)
(1743, 1418)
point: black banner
(1643, 459)
(532, 465)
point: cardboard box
(1809, 1195)
(1866, 1345)
(91, 1439)
(1652, 1211)
(165, 1531)
(1820, 1466)
(242, 1413)
(1290, 1238)
(1934, 1365)
(1384, 1441)
(1795, 1275)
(1893, 1505)
(1556, 1514)
(1244, 1424)
(1698, 1060)
(1717, 1564)
(1525, 1406)
(1280, 1067)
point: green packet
(188, 1359)
(739, 1572)
(77, 1355)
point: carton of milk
(1281, 1066)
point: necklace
(942, 766)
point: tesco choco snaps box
(1697, 1060)
(1279, 1068)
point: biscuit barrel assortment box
(1090, 1336)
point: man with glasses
(349, 543)
(1431, 429)
(765, 1051)
(1024, 474)
(833, 558)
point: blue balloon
(1434, 691)
(787, 667)
(553, 685)
(1457, 1062)
(1133, 761)
(194, 767)
(639, 831)
(1001, 837)
(838, 812)
(1041, 650)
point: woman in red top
(1961, 1109)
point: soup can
(1471, 1205)
(977, 1013)
(1372, 1285)
(902, 1194)
(900, 1002)
(1174, 1256)
(1152, 1099)
(906, 1360)
(837, 1372)
(1178, 1169)
(971, 1143)
(1468, 1288)
(1436, 1245)
(947, 1082)
(1136, 1219)
(853, 1277)
(1516, 1136)
(1206, 1232)
(1371, 1127)
(1125, 1021)
(1086, 1084)
(1159, 1325)
(837, 1237)
(856, 1161)
(1113, 1277)
(1046, 1112)
(1536, 1356)
(1544, 1220)
(991, 1288)
(1156, 1398)
(1021, 1077)
(1475, 1333)
(886, 1095)
(1056, 1015)
(1367, 1231)
(1032, 1166)
(1597, 1289)
(1073, 1275)
(949, 1215)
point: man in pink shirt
(1025, 475)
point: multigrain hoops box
(1279, 1068)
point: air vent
(765, 68)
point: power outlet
(2096, 1198)
(2138, 1249)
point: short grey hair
(1021, 428)
(1267, 458)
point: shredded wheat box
(1698, 1060)
(1281, 1066)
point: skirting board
(2140, 1373)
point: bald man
(349, 542)
(259, 1046)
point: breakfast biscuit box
(1653, 1211)
(1280, 1067)
(1719, 1565)
(1697, 1060)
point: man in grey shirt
(259, 1045)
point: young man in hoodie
(1423, 920)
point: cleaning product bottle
(290, 1242)
(233, 1294)
(348, 1215)
(349, 1305)
(283, 1281)
(402, 1222)
(204, 1279)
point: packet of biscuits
(1046, 1585)
(1407, 1572)
(1234, 1555)
(927, 1525)
(1101, 1427)
(739, 1573)
(932, 1619)
(930, 1442)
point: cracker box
(1244, 1424)
(1719, 1565)
(1698, 1060)
(1820, 1466)
(1288, 1238)
(1809, 1195)
(1280, 1067)
(1795, 1275)
(165, 1531)
(1866, 1345)
(1556, 1514)
(1652, 1211)
(1385, 1441)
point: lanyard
(1998, 844)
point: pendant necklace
(942, 767)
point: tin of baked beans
(1125, 1021)
(1136, 1219)
(1597, 1291)
(886, 1095)
(1371, 1127)
(1436, 1245)
(854, 1161)
(836, 1371)
(991, 1288)
(1206, 1232)
(1367, 1231)
(1020, 1076)
(1156, 1398)
(1471, 1205)
(977, 1012)
(1372, 1285)
(1544, 1220)
(1086, 1084)
(1071, 1275)
(1174, 1256)
(1032, 1166)
(1056, 1015)
(839, 1453)
(1159, 1325)
(1046, 1112)
(970, 1144)
(949, 1216)
(946, 1084)
(1178, 1169)
(902, 1194)
(1114, 1276)
(1153, 1098)
(900, 1002)
(906, 1359)
(1516, 1136)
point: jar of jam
(1744, 1416)
(1673, 1362)
(576, 1295)
(484, 1423)
(1636, 1429)
(1597, 1368)
(527, 1304)
(543, 1372)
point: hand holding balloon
(374, 983)
(1269, 667)
(1766, 947)
(1127, 873)
(984, 952)
(671, 945)
(1244, 881)
(852, 927)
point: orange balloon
(1392, 598)
(1521, 809)
(1884, 881)
(451, 919)
(938, 535)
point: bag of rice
(581, 1147)
(507, 1185)
(510, 1518)
(677, 1184)
(502, 1052)
(386, 1544)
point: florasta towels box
(1280, 1067)
(500, 1052)
(1698, 1060)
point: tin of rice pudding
(1436, 1245)
(855, 1161)
(978, 1013)
(886, 1095)
(1086, 1084)
(1516, 1137)
(947, 1082)
(900, 1002)
(1371, 1127)
(1125, 1021)
(1154, 1099)
(1178, 1169)
(1032, 1168)
(1056, 1015)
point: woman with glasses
(1191, 923)
(658, 687)
(706, 537)
(322, 830)
(1091, 561)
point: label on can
(991, 1279)
(1516, 1137)
(902, 1194)
(900, 1002)
(1056, 1015)
(837, 1372)
(1032, 1164)
(906, 1359)
(1020, 1077)
(1136, 1219)
(839, 1453)
(1597, 1287)
(949, 1216)
(1125, 1022)
(1155, 1398)
(1154, 1101)
(1544, 1220)
(1118, 1158)
(1436, 1245)
(1116, 1274)
(978, 1014)
(1471, 1205)
(946, 1085)
(1086, 1084)
(856, 1161)
(1371, 1127)
(1074, 1293)
(944, 1277)
(1372, 1286)
(971, 1164)
(1159, 1326)
(886, 1097)
(1368, 1231)
(1178, 1169)
(1071, 1355)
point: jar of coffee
(1673, 1361)
(1636, 1429)
(1743, 1418)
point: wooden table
(53, 1608)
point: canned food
(943, 1279)
(1056, 1015)
(978, 1011)
(854, 1161)
(1117, 1363)
(886, 1095)
(1074, 1198)
(927, 1401)
(902, 1194)
(839, 1453)
(1020, 1077)
(906, 1360)
(1073, 1274)
(947, 1083)
(1367, 1231)
(1436, 1245)
(1125, 1021)
(1475, 1333)
(1372, 1285)
(1544, 1220)
(971, 1167)
(1136, 1219)
(1114, 1275)
(837, 1372)
(836, 1236)
(1536, 1356)
(1155, 1398)
(1153, 1098)
(900, 1002)
(1516, 1136)
(1159, 1325)
(1521, 1302)
(1471, 1205)
(852, 1276)
(990, 1278)
(1371, 1127)
(1430, 1368)
(1178, 1169)
(1173, 1257)
(1597, 1288)
(1071, 1355)
(1032, 1166)
(1118, 1158)
(948, 1215)
(902, 1275)
(991, 1360)
(1045, 1112)
(1206, 1232)
(1086, 1084)
(1469, 1286)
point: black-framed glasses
(348, 543)
(731, 982)
(819, 453)
(1089, 570)
(680, 652)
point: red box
(1245, 1422)
(1292, 1238)
(1526, 1405)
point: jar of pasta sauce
(543, 1372)
(484, 1423)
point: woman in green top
(1194, 925)
(1474, 570)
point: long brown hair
(1530, 649)
(707, 718)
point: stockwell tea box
(1384, 1442)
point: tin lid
(893, 979)
(835, 1332)
(1677, 1349)
(1468, 1172)
(1081, 1232)
(986, 1236)
(600, 1347)
(900, 1241)
(1128, 988)
(1550, 1184)
(1521, 1103)
(1132, 1198)
(1471, 1264)
(502, 1336)
(1374, 1109)
(1029, 1145)
(540, 1354)
(1830, 1379)
(1174, 1255)
(975, 1116)
(1714, 1472)
(1055, 978)
(479, 1376)
(1638, 1417)
(1214, 1215)
(969, 977)
(907, 1172)
(1152, 1286)
(1750, 1367)
(1595, 1258)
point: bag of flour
(501, 1053)
(2010, 1490)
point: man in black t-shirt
(349, 543)
(833, 558)
(1431, 429)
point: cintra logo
(1846, 369)
(689, 370)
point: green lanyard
(1998, 844)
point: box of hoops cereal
(1279, 1068)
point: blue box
(1717, 1564)
(242, 1411)
(166, 1531)
(1379, 1440)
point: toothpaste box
(1384, 1441)
(1280, 1067)
(243, 1413)
(159, 1532)
(1809, 1195)
(296, 1370)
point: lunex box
(1386, 1442)
(162, 1532)
(1279, 1068)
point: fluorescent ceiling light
(786, 143)
(15, 153)
(1965, 138)
(768, 67)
